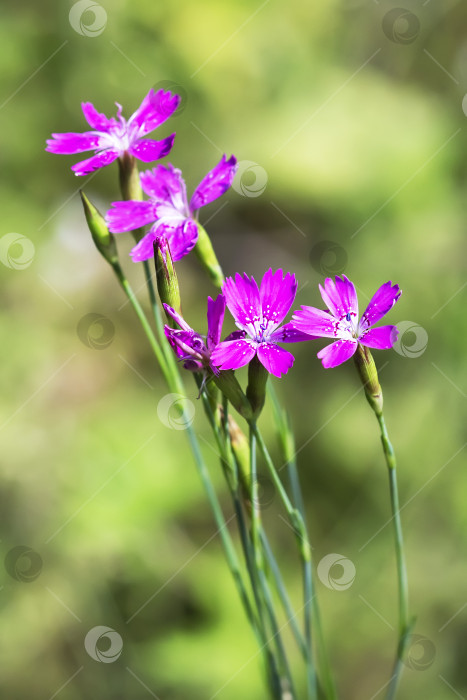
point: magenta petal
(128, 215)
(95, 119)
(337, 353)
(289, 334)
(148, 150)
(216, 182)
(102, 159)
(381, 338)
(153, 111)
(177, 318)
(233, 354)
(243, 300)
(277, 293)
(170, 334)
(381, 302)
(181, 237)
(71, 142)
(340, 297)
(315, 322)
(216, 310)
(276, 360)
(144, 249)
(164, 183)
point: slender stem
(222, 525)
(312, 619)
(231, 472)
(166, 349)
(255, 511)
(298, 526)
(258, 560)
(283, 595)
(405, 624)
(143, 320)
(227, 454)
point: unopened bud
(167, 282)
(368, 374)
(104, 241)
(227, 382)
(256, 390)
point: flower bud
(167, 282)
(227, 382)
(256, 389)
(207, 257)
(368, 374)
(104, 241)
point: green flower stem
(298, 525)
(156, 348)
(405, 623)
(258, 563)
(270, 559)
(287, 442)
(283, 595)
(231, 473)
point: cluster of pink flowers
(258, 311)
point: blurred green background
(348, 120)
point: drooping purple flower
(258, 313)
(191, 347)
(168, 208)
(342, 320)
(113, 137)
